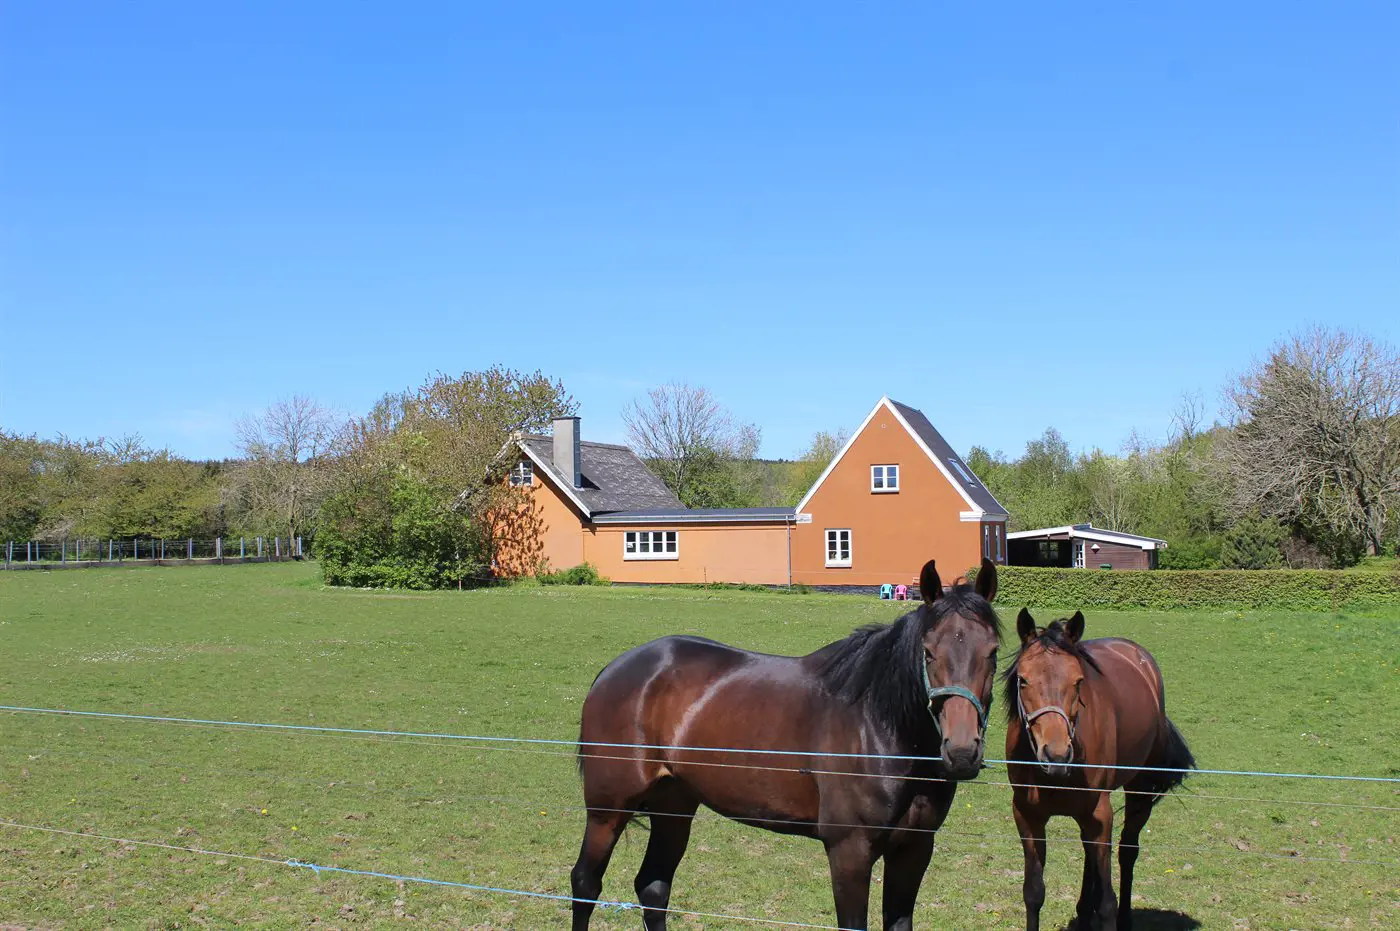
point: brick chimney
(566, 449)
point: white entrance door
(1079, 554)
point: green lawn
(1292, 692)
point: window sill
(649, 557)
(839, 565)
(884, 491)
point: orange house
(894, 496)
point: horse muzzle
(1055, 764)
(962, 762)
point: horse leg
(850, 860)
(670, 833)
(1136, 811)
(1031, 826)
(904, 871)
(600, 836)
(1099, 906)
(1088, 891)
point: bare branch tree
(682, 430)
(1317, 434)
(282, 480)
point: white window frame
(986, 541)
(643, 544)
(882, 474)
(523, 474)
(1079, 558)
(838, 562)
(1000, 538)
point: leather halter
(1027, 719)
(952, 691)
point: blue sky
(1011, 216)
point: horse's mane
(878, 665)
(1054, 638)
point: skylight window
(962, 470)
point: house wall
(1116, 555)
(752, 553)
(892, 535)
(550, 527)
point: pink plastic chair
(901, 593)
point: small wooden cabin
(1082, 546)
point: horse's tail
(1176, 761)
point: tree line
(1304, 470)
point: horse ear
(1025, 625)
(930, 585)
(1075, 629)
(987, 580)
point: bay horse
(1101, 705)
(858, 745)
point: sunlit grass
(1271, 691)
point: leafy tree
(21, 499)
(417, 488)
(812, 463)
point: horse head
(1047, 679)
(960, 663)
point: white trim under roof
(1100, 536)
(837, 458)
(968, 517)
(942, 467)
(976, 512)
(565, 486)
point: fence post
(189, 548)
(299, 554)
(63, 552)
(219, 549)
(109, 549)
(277, 547)
(260, 547)
(241, 553)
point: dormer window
(523, 475)
(884, 479)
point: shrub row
(1286, 589)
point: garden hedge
(1287, 589)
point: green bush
(1192, 553)
(403, 538)
(1285, 589)
(1253, 543)
(583, 574)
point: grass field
(1290, 692)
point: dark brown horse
(1087, 717)
(881, 723)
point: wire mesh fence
(84, 551)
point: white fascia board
(565, 487)
(942, 466)
(844, 449)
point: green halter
(950, 691)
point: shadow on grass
(1154, 919)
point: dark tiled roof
(614, 479)
(950, 460)
(696, 515)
